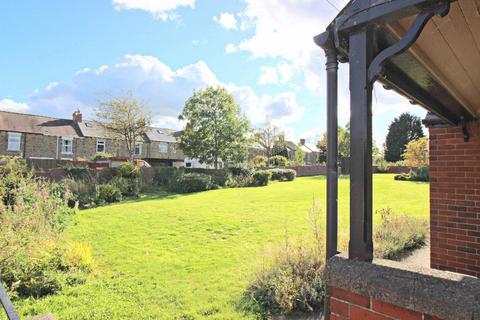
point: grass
(191, 256)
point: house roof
(49, 126)
(27, 123)
(440, 70)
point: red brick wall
(345, 305)
(455, 200)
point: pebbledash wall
(455, 199)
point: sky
(59, 56)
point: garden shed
(429, 52)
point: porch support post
(332, 151)
(360, 56)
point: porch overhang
(439, 69)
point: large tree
(267, 137)
(401, 131)
(125, 118)
(343, 143)
(215, 127)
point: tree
(416, 153)
(267, 137)
(280, 147)
(401, 131)
(125, 118)
(215, 129)
(343, 144)
(299, 156)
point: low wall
(390, 290)
(309, 171)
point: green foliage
(291, 278)
(283, 174)
(416, 153)
(126, 118)
(190, 182)
(77, 172)
(108, 193)
(382, 166)
(299, 156)
(101, 156)
(163, 175)
(278, 161)
(343, 144)
(417, 174)
(34, 259)
(261, 177)
(128, 170)
(216, 129)
(398, 233)
(84, 193)
(401, 131)
(128, 179)
(259, 161)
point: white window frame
(139, 144)
(101, 142)
(12, 143)
(64, 139)
(163, 144)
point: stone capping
(446, 295)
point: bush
(190, 182)
(283, 174)
(128, 170)
(259, 161)
(278, 161)
(34, 259)
(419, 174)
(77, 173)
(129, 179)
(382, 166)
(261, 178)
(108, 193)
(163, 175)
(398, 233)
(290, 279)
(101, 156)
(84, 192)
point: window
(14, 141)
(100, 146)
(138, 148)
(163, 147)
(67, 145)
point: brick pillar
(455, 199)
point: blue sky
(61, 55)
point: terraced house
(40, 137)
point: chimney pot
(77, 116)
(302, 142)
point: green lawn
(190, 257)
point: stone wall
(455, 199)
(174, 152)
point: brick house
(427, 51)
(40, 137)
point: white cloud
(230, 48)
(227, 21)
(163, 90)
(161, 9)
(268, 75)
(10, 105)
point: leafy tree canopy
(216, 129)
(343, 143)
(416, 153)
(401, 131)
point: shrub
(102, 155)
(34, 259)
(108, 193)
(128, 170)
(418, 174)
(261, 177)
(190, 182)
(416, 153)
(77, 173)
(382, 166)
(259, 161)
(129, 177)
(398, 233)
(163, 175)
(283, 174)
(84, 193)
(278, 161)
(290, 278)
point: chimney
(77, 116)
(302, 142)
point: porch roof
(440, 71)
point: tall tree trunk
(216, 163)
